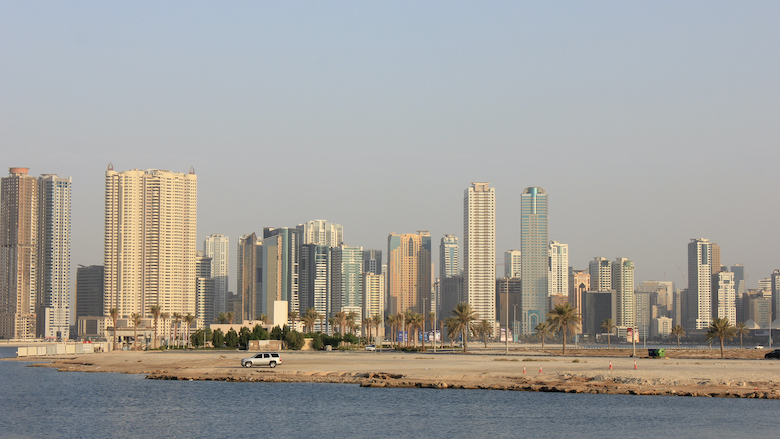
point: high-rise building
(89, 291)
(249, 277)
(699, 297)
(346, 280)
(597, 307)
(449, 263)
(508, 296)
(35, 256)
(280, 269)
(372, 261)
(623, 284)
(217, 247)
(321, 232)
(533, 245)
(724, 300)
(579, 283)
(600, 270)
(479, 249)
(314, 282)
(452, 290)
(513, 263)
(409, 271)
(204, 286)
(642, 313)
(558, 278)
(739, 289)
(374, 296)
(150, 242)
(775, 295)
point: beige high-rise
(150, 241)
(479, 249)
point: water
(41, 402)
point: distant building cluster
(152, 261)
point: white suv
(270, 359)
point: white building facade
(217, 247)
(558, 278)
(479, 249)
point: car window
(258, 356)
(275, 355)
(267, 356)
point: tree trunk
(721, 347)
(564, 342)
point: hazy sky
(648, 123)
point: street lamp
(514, 324)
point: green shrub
(294, 340)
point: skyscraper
(449, 262)
(217, 247)
(346, 279)
(408, 271)
(204, 286)
(372, 261)
(321, 232)
(479, 249)
(150, 241)
(280, 276)
(35, 256)
(600, 270)
(513, 263)
(558, 283)
(533, 245)
(314, 282)
(623, 284)
(89, 291)
(249, 271)
(724, 300)
(374, 296)
(699, 297)
(775, 295)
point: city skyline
(627, 111)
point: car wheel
(248, 364)
(272, 364)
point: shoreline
(684, 374)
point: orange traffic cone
(635, 368)
(523, 370)
(540, 369)
(610, 365)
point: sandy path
(490, 370)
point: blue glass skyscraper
(533, 246)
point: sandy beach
(685, 372)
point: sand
(586, 371)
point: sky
(647, 123)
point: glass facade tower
(534, 254)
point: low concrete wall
(62, 349)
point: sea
(40, 402)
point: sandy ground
(533, 370)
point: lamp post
(506, 337)
(514, 323)
(423, 319)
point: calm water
(41, 402)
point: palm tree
(310, 318)
(176, 319)
(135, 319)
(165, 316)
(453, 328)
(609, 326)
(679, 331)
(376, 322)
(263, 318)
(742, 329)
(321, 317)
(333, 322)
(542, 329)
(114, 313)
(341, 321)
(188, 319)
(407, 319)
(721, 329)
(464, 314)
(563, 318)
(292, 316)
(365, 328)
(229, 316)
(222, 318)
(391, 322)
(416, 322)
(432, 319)
(155, 310)
(484, 329)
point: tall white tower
(699, 284)
(150, 241)
(558, 279)
(479, 249)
